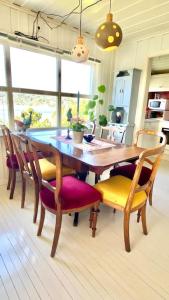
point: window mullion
(9, 86)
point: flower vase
(78, 137)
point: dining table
(96, 156)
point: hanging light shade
(109, 34)
(80, 51)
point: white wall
(135, 54)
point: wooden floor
(84, 268)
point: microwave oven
(158, 104)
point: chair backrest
(152, 157)
(35, 147)
(148, 133)
(23, 153)
(91, 127)
(113, 133)
(7, 140)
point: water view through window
(43, 108)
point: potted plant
(78, 130)
(91, 106)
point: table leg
(97, 178)
(82, 176)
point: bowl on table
(88, 137)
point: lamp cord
(80, 17)
(110, 7)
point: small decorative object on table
(88, 137)
(27, 120)
(69, 118)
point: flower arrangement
(77, 124)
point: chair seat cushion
(74, 194)
(12, 162)
(115, 190)
(48, 170)
(129, 170)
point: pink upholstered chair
(11, 160)
(64, 195)
(25, 157)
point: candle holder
(68, 137)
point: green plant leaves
(95, 97)
(101, 101)
(101, 88)
(78, 127)
(91, 116)
(91, 104)
(111, 108)
(102, 120)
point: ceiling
(136, 17)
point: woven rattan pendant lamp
(80, 52)
(109, 34)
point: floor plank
(83, 268)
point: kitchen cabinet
(159, 83)
(126, 88)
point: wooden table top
(102, 158)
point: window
(75, 77)
(67, 103)
(3, 108)
(43, 107)
(2, 67)
(33, 70)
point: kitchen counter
(151, 120)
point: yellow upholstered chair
(126, 195)
(48, 169)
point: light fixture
(80, 52)
(109, 34)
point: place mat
(62, 138)
(94, 145)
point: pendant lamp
(109, 34)
(80, 51)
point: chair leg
(36, 204)
(151, 196)
(91, 218)
(76, 219)
(114, 210)
(143, 219)
(41, 221)
(23, 192)
(138, 215)
(13, 182)
(9, 179)
(56, 234)
(126, 231)
(94, 220)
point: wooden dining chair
(64, 195)
(128, 170)
(11, 160)
(113, 133)
(127, 195)
(25, 159)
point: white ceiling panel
(136, 17)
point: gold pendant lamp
(109, 34)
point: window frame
(10, 89)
